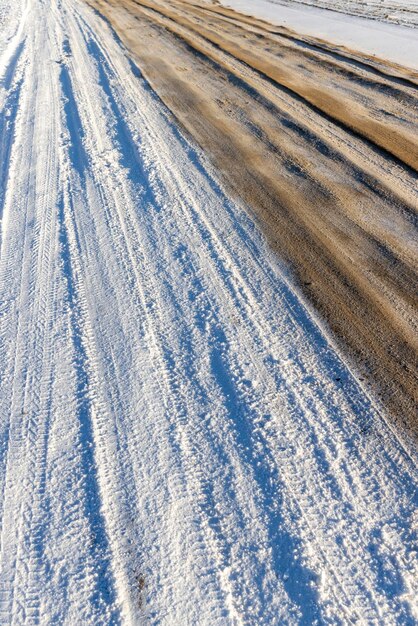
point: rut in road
(181, 443)
(321, 144)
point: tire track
(192, 446)
(29, 518)
(322, 196)
(175, 384)
(379, 137)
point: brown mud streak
(321, 145)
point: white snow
(395, 43)
(395, 11)
(179, 441)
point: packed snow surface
(396, 11)
(393, 42)
(180, 443)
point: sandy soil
(321, 144)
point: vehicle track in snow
(181, 442)
(320, 143)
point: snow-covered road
(385, 34)
(180, 442)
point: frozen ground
(179, 441)
(342, 25)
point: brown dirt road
(322, 145)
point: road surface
(321, 145)
(181, 440)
